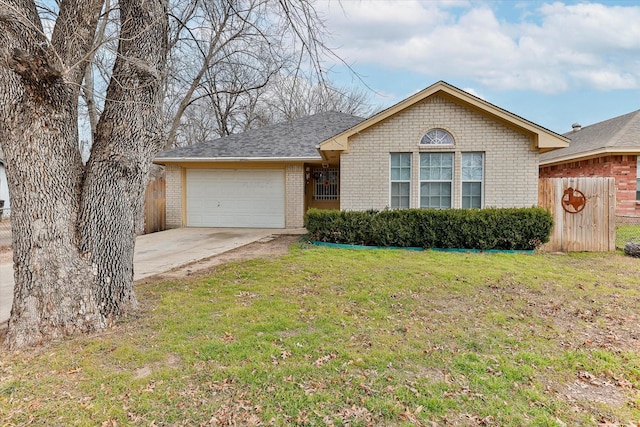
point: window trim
(450, 181)
(463, 181)
(392, 181)
(436, 141)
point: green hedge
(484, 229)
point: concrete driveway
(163, 251)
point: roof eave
(544, 139)
(547, 142)
(337, 143)
(164, 160)
(590, 154)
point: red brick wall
(623, 168)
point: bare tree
(222, 50)
(224, 112)
(88, 86)
(250, 70)
(74, 226)
(294, 97)
(75, 223)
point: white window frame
(437, 136)
(471, 180)
(392, 181)
(441, 180)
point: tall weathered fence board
(154, 202)
(583, 212)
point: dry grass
(358, 338)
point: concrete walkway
(163, 251)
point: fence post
(154, 206)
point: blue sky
(553, 63)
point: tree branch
(34, 68)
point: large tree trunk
(38, 130)
(74, 227)
(127, 138)
(51, 297)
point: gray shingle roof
(619, 134)
(292, 139)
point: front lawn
(345, 337)
(627, 233)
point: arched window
(437, 137)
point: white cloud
(607, 80)
(367, 22)
(473, 92)
(548, 48)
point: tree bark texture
(74, 226)
(38, 116)
(128, 136)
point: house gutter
(163, 160)
(588, 155)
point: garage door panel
(235, 198)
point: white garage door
(235, 198)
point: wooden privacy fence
(583, 213)
(154, 206)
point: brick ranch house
(439, 148)
(606, 149)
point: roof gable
(619, 135)
(295, 139)
(541, 139)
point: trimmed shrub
(484, 229)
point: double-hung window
(400, 180)
(447, 176)
(472, 177)
(436, 180)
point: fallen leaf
(324, 359)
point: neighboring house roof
(619, 135)
(542, 139)
(292, 140)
